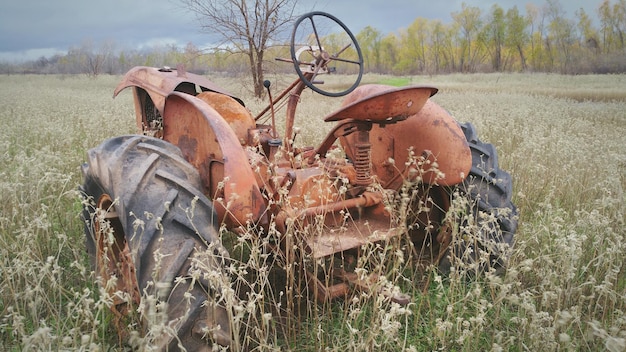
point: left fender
(210, 145)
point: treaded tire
(489, 190)
(163, 229)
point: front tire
(152, 237)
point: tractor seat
(237, 116)
(382, 104)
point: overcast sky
(32, 28)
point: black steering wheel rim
(297, 63)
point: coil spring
(362, 164)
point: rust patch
(188, 146)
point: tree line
(543, 39)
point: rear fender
(431, 133)
(209, 143)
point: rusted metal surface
(292, 104)
(371, 226)
(115, 260)
(431, 133)
(326, 209)
(375, 125)
(160, 82)
(152, 85)
(235, 114)
(367, 222)
(382, 104)
(209, 143)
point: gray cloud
(33, 26)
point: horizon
(130, 26)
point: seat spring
(362, 164)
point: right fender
(432, 133)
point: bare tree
(247, 27)
(370, 40)
(493, 35)
(469, 22)
(90, 58)
(517, 35)
(561, 32)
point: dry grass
(563, 138)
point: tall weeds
(565, 287)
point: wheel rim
(114, 262)
(432, 228)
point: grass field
(563, 139)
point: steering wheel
(315, 47)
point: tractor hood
(160, 82)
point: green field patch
(395, 81)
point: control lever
(267, 85)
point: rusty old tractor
(154, 202)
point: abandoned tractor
(155, 201)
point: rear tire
(485, 214)
(149, 226)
